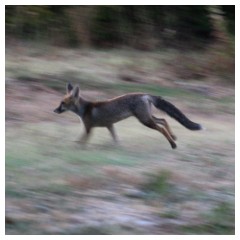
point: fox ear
(75, 92)
(69, 87)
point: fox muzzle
(59, 110)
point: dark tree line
(144, 27)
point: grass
(220, 221)
(32, 155)
(159, 183)
(45, 163)
(101, 188)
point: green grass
(171, 214)
(159, 183)
(43, 163)
(220, 221)
(22, 227)
(43, 154)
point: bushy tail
(173, 112)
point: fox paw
(173, 145)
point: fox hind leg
(163, 122)
(153, 125)
(149, 122)
(143, 113)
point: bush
(104, 28)
(142, 27)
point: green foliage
(29, 22)
(221, 220)
(39, 23)
(21, 226)
(158, 183)
(229, 14)
(105, 28)
(136, 26)
(193, 22)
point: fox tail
(175, 113)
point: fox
(107, 113)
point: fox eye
(62, 103)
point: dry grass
(55, 186)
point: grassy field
(142, 186)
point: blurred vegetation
(139, 187)
(142, 27)
(229, 14)
(202, 37)
(220, 221)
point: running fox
(106, 113)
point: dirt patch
(29, 102)
(34, 102)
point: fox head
(70, 100)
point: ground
(141, 186)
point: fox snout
(58, 110)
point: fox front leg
(113, 133)
(84, 138)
